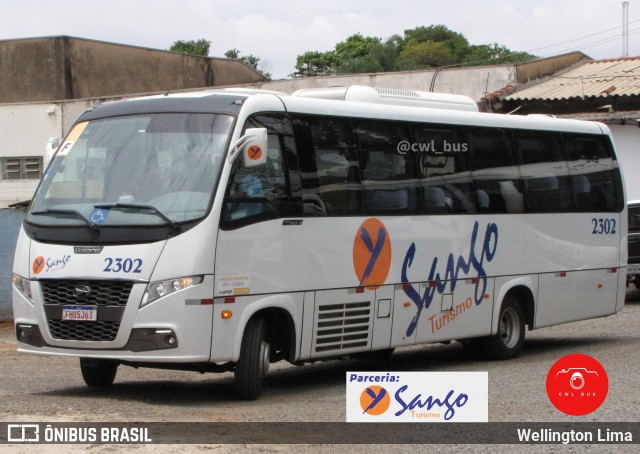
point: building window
(26, 168)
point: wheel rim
(510, 327)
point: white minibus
(226, 230)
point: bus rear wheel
(254, 360)
(507, 343)
(98, 372)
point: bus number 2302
(603, 226)
(118, 265)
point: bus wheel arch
(281, 333)
(516, 311)
(268, 336)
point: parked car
(633, 268)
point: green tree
(233, 54)
(428, 54)
(494, 54)
(421, 47)
(434, 46)
(314, 63)
(356, 54)
(200, 47)
(249, 60)
(391, 59)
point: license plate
(634, 269)
(80, 313)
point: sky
(277, 31)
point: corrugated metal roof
(597, 78)
(625, 117)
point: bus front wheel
(254, 360)
(508, 341)
(98, 372)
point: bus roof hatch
(391, 96)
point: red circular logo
(577, 384)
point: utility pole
(625, 29)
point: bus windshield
(137, 170)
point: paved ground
(51, 389)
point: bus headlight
(23, 285)
(159, 289)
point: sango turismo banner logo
(417, 397)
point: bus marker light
(614, 270)
(600, 285)
(359, 289)
(432, 284)
(206, 301)
(487, 296)
(226, 315)
(407, 304)
(229, 300)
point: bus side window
(265, 192)
(596, 178)
(329, 167)
(495, 170)
(547, 186)
(443, 158)
(389, 179)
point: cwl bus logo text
(455, 269)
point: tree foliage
(421, 47)
(249, 60)
(200, 47)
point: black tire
(254, 360)
(508, 341)
(98, 372)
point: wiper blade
(74, 213)
(139, 206)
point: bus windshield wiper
(74, 213)
(139, 206)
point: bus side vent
(341, 327)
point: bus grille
(110, 296)
(103, 293)
(83, 331)
(343, 326)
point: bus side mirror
(253, 146)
